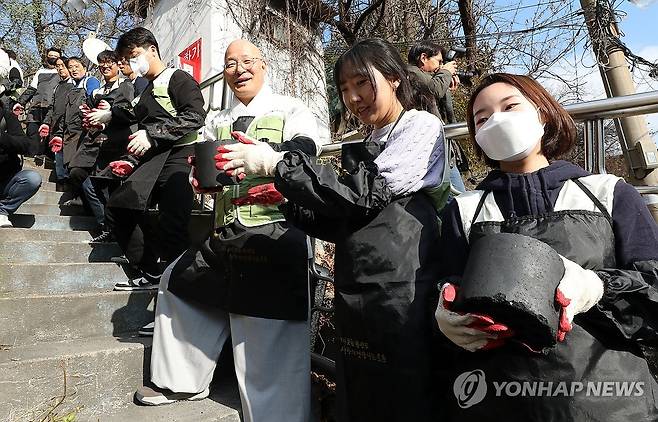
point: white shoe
(147, 330)
(153, 396)
(4, 221)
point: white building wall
(178, 23)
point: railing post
(588, 137)
(598, 158)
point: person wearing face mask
(256, 265)
(105, 140)
(381, 212)
(608, 242)
(39, 95)
(168, 114)
(140, 83)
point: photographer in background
(430, 75)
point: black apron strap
(594, 199)
(479, 207)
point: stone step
(46, 209)
(223, 405)
(20, 235)
(42, 318)
(48, 175)
(17, 279)
(41, 162)
(54, 252)
(102, 375)
(44, 196)
(53, 222)
(50, 184)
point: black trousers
(37, 114)
(94, 195)
(144, 242)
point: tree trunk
(468, 24)
(39, 28)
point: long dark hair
(376, 53)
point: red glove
(467, 330)
(103, 105)
(85, 110)
(122, 168)
(242, 138)
(564, 326)
(44, 130)
(17, 109)
(56, 144)
(260, 195)
(221, 161)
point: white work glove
(578, 291)
(139, 143)
(248, 156)
(469, 331)
(101, 114)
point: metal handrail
(211, 80)
(607, 108)
(593, 109)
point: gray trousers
(271, 357)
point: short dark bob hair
(559, 131)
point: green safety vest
(161, 96)
(269, 126)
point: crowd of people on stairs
(128, 144)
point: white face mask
(510, 135)
(140, 64)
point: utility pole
(639, 149)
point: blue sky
(639, 34)
(639, 25)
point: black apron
(99, 149)
(135, 192)
(254, 271)
(385, 296)
(73, 131)
(587, 355)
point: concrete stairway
(68, 343)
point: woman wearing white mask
(607, 298)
